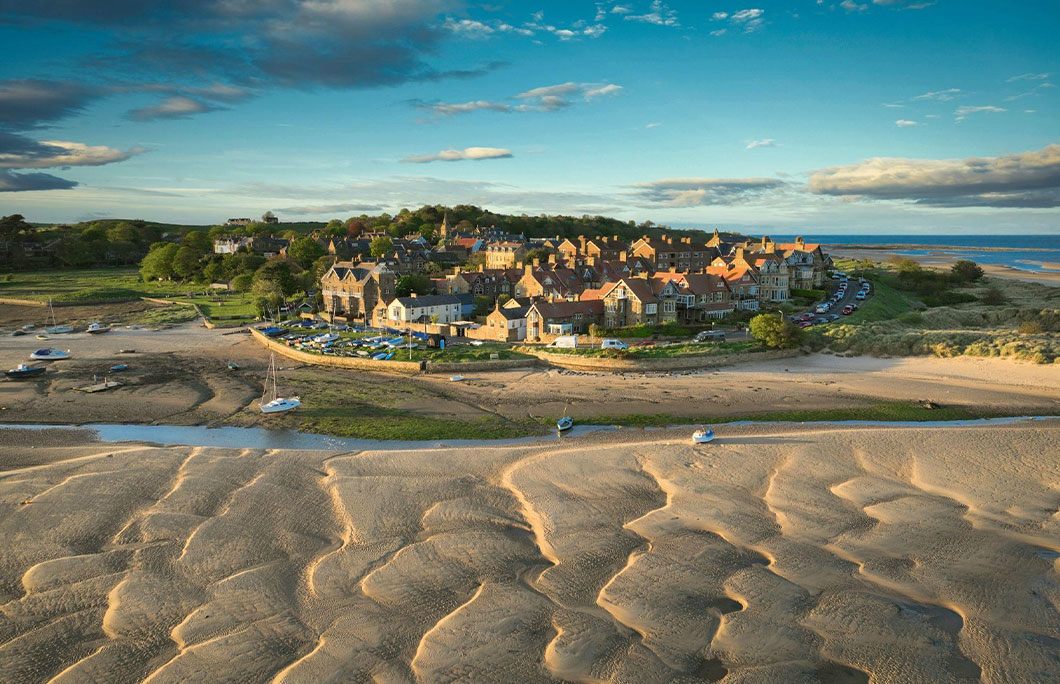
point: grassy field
(898, 411)
(87, 285)
(660, 351)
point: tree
(267, 295)
(354, 227)
(268, 217)
(965, 271)
(775, 331)
(406, 285)
(279, 272)
(304, 251)
(380, 246)
(158, 264)
(198, 241)
(242, 282)
(13, 225)
(186, 262)
(596, 331)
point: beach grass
(661, 351)
(71, 286)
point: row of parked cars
(821, 315)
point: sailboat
(55, 329)
(277, 404)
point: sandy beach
(940, 258)
(777, 554)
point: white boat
(55, 329)
(277, 404)
(702, 436)
(97, 328)
(324, 339)
(565, 423)
(49, 354)
(456, 378)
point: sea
(1034, 253)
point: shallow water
(262, 438)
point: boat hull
(281, 405)
(24, 374)
(702, 437)
(49, 355)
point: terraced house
(681, 254)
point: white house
(423, 309)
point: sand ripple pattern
(773, 555)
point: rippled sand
(779, 554)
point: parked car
(821, 308)
(848, 309)
(805, 324)
(613, 344)
(860, 296)
(710, 336)
(806, 316)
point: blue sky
(880, 116)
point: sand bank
(776, 554)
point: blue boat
(24, 370)
(119, 368)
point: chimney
(591, 261)
(799, 241)
(481, 268)
(765, 240)
(581, 243)
(615, 239)
(552, 259)
(528, 269)
(412, 294)
(456, 270)
(622, 256)
(537, 263)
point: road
(853, 286)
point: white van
(565, 342)
(613, 344)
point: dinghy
(702, 436)
(24, 370)
(49, 354)
(565, 423)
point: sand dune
(778, 554)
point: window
(651, 308)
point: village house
(544, 318)
(742, 280)
(637, 301)
(402, 311)
(230, 244)
(507, 323)
(701, 297)
(504, 254)
(357, 292)
(681, 254)
(550, 281)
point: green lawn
(884, 303)
(72, 286)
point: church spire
(443, 230)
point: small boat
(20, 332)
(97, 329)
(326, 338)
(565, 423)
(54, 328)
(24, 370)
(42, 336)
(456, 378)
(277, 404)
(49, 354)
(233, 366)
(126, 351)
(702, 436)
(119, 368)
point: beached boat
(24, 370)
(702, 436)
(54, 328)
(565, 423)
(50, 354)
(97, 329)
(456, 378)
(233, 366)
(326, 338)
(277, 404)
(119, 368)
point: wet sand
(777, 554)
(942, 259)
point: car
(834, 317)
(821, 308)
(860, 296)
(848, 309)
(805, 324)
(709, 336)
(613, 344)
(806, 316)
(821, 320)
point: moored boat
(97, 328)
(24, 370)
(702, 436)
(565, 423)
(277, 404)
(119, 368)
(50, 354)
(54, 328)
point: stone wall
(401, 367)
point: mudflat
(779, 553)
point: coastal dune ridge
(779, 553)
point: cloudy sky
(875, 116)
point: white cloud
(177, 107)
(660, 15)
(692, 192)
(749, 20)
(905, 123)
(965, 111)
(764, 142)
(851, 6)
(1029, 77)
(940, 95)
(52, 153)
(466, 154)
